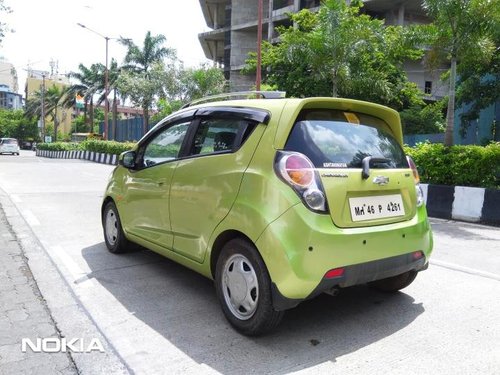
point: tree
(479, 75)
(113, 79)
(14, 124)
(142, 88)
(426, 119)
(90, 82)
(51, 101)
(196, 83)
(465, 28)
(340, 52)
(143, 63)
(4, 9)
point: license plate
(378, 207)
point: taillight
(413, 168)
(416, 176)
(297, 171)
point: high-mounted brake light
(298, 172)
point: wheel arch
(219, 243)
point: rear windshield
(8, 141)
(338, 139)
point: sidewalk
(24, 314)
(36, 302)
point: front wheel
(115, 239)
(395, 283)
(243, 287)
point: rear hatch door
(363, 168)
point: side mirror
(127, 159)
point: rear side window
(215, 136)
(8, 141)
(338, 139)
(220, 135)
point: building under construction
(234, 34)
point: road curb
(96, 157)
(475, 205)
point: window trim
(253, 116)
(139, 159)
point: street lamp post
(106, 80)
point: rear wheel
(115, 239)
(243, 287)
(395, 283)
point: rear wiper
(365, 173)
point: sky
(46, 30)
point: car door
(206, 184)
(144, 208)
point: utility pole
(259, 46)
(43, 107)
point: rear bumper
(355, 275)
(300, 247)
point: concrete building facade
(34, 82)
(8, 75)
(9, 99)
(234, 34)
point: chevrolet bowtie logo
(381, 180)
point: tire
(395, 283)
(115, 239)
(243, 288)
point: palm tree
(91, 82)
(52, 99)
(141, 60)
(113, 76)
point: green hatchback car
(276, 200)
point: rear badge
(334, 165)
(381, 180)
(339, 175)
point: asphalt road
(162, 318)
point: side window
(165, 145)
(216, 135)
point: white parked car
(9, 146)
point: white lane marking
(16, 198)
(471, 271)
(77, 274)
(30, 218)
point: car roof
(293, 107)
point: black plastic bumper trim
(354, 275)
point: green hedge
(59, 146)
(458, 165)
(107, 147)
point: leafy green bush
(59, 146)
(107, 147)
(423, 120)
(458, 165)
